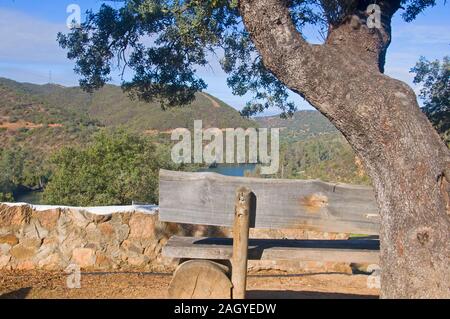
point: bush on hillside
(116, 168)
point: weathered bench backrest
(208, 199)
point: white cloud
(27, 39)
(410, 41)
(422, 34)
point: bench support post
(240, 242)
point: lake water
(231, 170)
(31, 197)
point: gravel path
(44, 284)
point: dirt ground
(44, 284)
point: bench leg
(200, 279)
(240, 242)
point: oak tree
(265, 52)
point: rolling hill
(51, 104)
(42, 118)
(109, 106)
(302, 125)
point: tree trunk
(407, 162)
(381, 119)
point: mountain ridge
(109, 106)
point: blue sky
(29, 52)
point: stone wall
(55, 238)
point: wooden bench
(217, 267)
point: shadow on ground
(21, 293)
(290, 294)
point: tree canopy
(434, 76)
(163, 42)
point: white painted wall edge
(96, 210)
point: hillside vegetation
(312, 148)
(327, 157)
(303, 124)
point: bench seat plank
(354, 250)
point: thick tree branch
(354, 34)
(278, 41)
(282, 46)
(311, 70)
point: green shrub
(116, 168)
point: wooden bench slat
(208, 199)
(358, 250)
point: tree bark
(381, 119)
